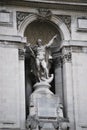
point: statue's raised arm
(51, 41)
(41, 58)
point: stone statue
(42, 58)
(45, 108)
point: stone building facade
(23, 21)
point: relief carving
(21, 54)
(62, 57)
(67, 20)
(67, 57)
(44, 14)
(20, 16)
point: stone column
(58, 77)
(22, 88)
(68, 86)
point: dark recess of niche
(46, 30)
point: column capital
(67, 57)
(66, 54)
(21, 54)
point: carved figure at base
(42, 57)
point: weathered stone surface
(45, 110)
(82, 23)
(9, 88)
(5, 17)
(80, 89)
(70, 80)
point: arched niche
(33, 29)
(44, 30)
(65, 34)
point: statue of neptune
(42, 58)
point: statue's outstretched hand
(55, 36)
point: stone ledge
(74, 43)
(13, 38)
(12, 129)
(67, 5)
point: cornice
(52, 4)
(12, 38)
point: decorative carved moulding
(6, 18)
(60, 58)
(20, 16)
(21, 54)
(82, 24)
(42, 14)
(67, 57)
(66, 54)
(66, 19)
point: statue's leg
(38, 68)
(44, 66)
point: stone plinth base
(45, 110)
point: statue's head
(39, 42)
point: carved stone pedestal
(45, 111)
